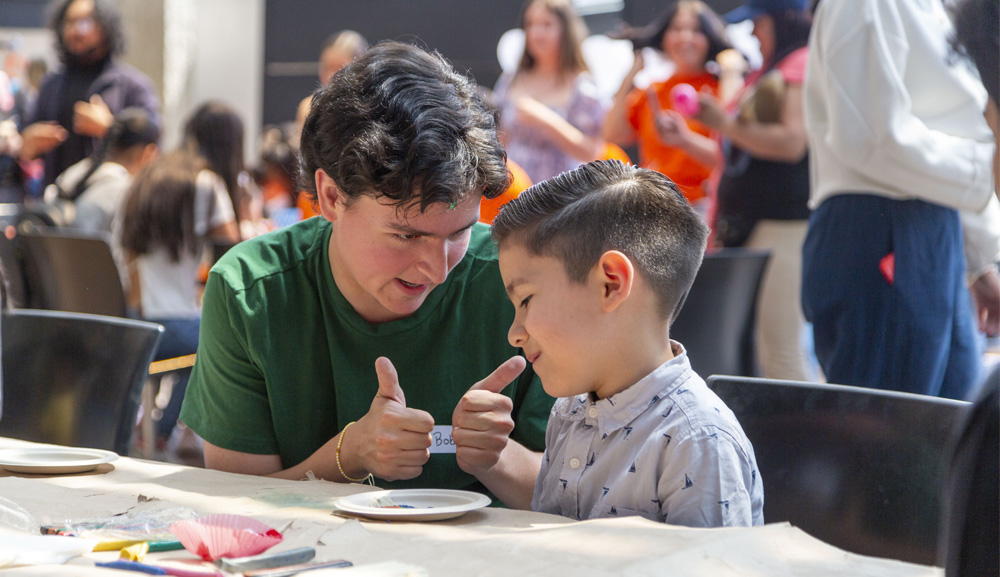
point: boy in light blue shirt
(598, 262)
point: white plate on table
(54, 460)
(413, 504)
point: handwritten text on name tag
(441, 441)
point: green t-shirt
(284, 361)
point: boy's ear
(328, 195)
(615, 276)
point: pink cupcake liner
(215, 536)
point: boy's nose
(516, 335)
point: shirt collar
(619, 410)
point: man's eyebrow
(407, 229)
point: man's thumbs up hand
(391, 441)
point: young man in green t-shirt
(388, 315)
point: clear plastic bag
(149, 520)
(14, 516)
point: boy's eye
(524, 302)
(404, 236)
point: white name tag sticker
(441, 441)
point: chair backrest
(861, 469)
(73, 379)
(72, 271)
(716, 324)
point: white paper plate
(415, 504)
(53, 460)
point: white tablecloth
(489, 541)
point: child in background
(274, 174)
(173, 208)
(598, 262)
(692, 36)
(91, 192)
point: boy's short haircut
(400, 123)
(608, 205)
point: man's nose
(434, 261)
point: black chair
(29, 215)
(73, 271)
(861, 469)
(73, 379)
(10, 213)
(12, 267)
(716, 324)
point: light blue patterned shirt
(666, 448)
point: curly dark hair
(400, 123)
(605, 205)
(107, 16)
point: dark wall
(22, 13)
(464, 31)
(643, 11)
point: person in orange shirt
(691, 35)
(489, 208)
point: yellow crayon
(135, 552)
(115, 545)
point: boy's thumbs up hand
(390, 441)
(482, 422)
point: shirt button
(574, 463)
(592, 412)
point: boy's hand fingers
(482, 420)
(502, 376)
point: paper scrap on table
(381, 569)
(441, 441)
(42, 549)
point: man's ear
(615, 276)
(328, 195)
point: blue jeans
(180, 337)
(914, 334)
